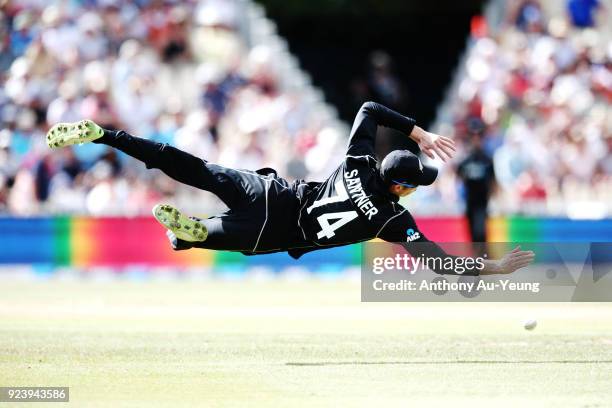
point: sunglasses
(405, 184)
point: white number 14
(343, 217)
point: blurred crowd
(179, 72)
(538, 94)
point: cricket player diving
(266, 213)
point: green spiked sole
(66, 134)
(184, 228)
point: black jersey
(354, 204)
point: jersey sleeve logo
(412, 235)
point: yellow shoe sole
(67, 134)
(183, 227)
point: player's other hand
(433, 145)
(515, 259)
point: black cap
(405, 167)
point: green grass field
(309, 343)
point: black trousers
(477, 219)
(263, 207)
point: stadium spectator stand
(210, 77)
(538, 89)
(213, 78)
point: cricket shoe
(66, 134)
(178, 244)
(184, 228)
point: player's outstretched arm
(422, 246)
(370, 116)
(432, 144)
(512, 261)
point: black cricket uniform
(478, 175)
(354, 204)
(268, 214)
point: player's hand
(433, 145)
(515, 259)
